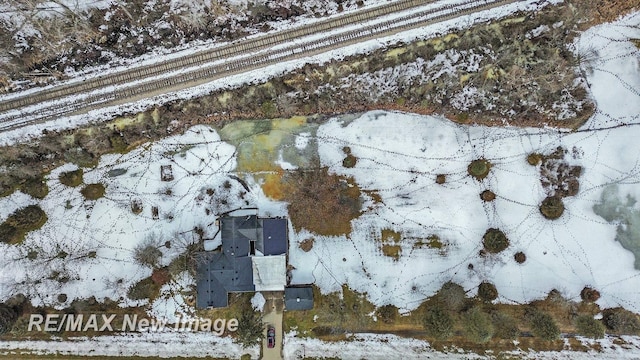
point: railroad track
(226, 51)
(209, 65)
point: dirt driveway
(273, 308)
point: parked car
(271, 337)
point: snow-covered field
(398, 156)
(164, 345)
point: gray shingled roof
(274, 236)
(298, 298)
(236, 234)
(230, 270)
(218, 275)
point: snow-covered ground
(612, 64)
(261, 75)
(398, 156)
(163, 345)
(200, 164)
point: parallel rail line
(225, 51)
(209, 72)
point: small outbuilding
(298, 298)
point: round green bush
(7, 186)
(9, 234)
(477, 326)
(144, 289)
(479, 168)
(505, 326)
(451, 296)
(552, 207)
(495, 241)
(8, 317)
(29, 218)
(487, 195)
(534, 159)
(438, 323)
(589, 294)
(118, 143)
(35, 187)
(387, 314)
(587, 326)
(543, 326)
(93, 191)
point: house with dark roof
(252, 258)
(298, 298)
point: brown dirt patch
(557, 176)
(388, 235)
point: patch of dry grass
(392, 251)
(390, 243)
(390, 236)
(332, 315)
(322, 203)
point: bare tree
(148, 253)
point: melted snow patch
(302, 140)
